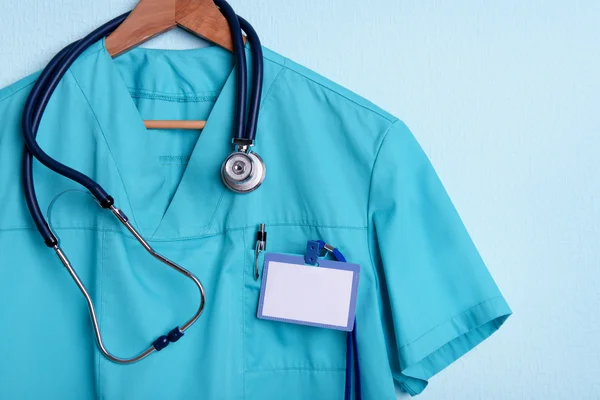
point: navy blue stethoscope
(242, 171)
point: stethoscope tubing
(241, 70)
(35, 106)
(257, 82)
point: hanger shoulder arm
(203, 18)
(149, 18)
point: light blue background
(504, 96)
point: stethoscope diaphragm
(243, 172)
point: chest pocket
(273, 345)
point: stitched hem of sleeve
(404, 386)
(447, 342)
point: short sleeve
(438, 299)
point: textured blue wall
(504, 97)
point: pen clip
(261, 245)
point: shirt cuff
(444, 344)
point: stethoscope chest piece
(243, 172)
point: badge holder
(317, 291)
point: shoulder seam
(384, 136)
(267, 95)
(275, 61)
(8, 96)
(338, 93)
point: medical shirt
(339, 169)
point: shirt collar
(108, 93)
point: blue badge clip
(312, 252)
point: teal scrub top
(339, 169)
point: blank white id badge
(323, 295)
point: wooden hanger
(150, 18)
